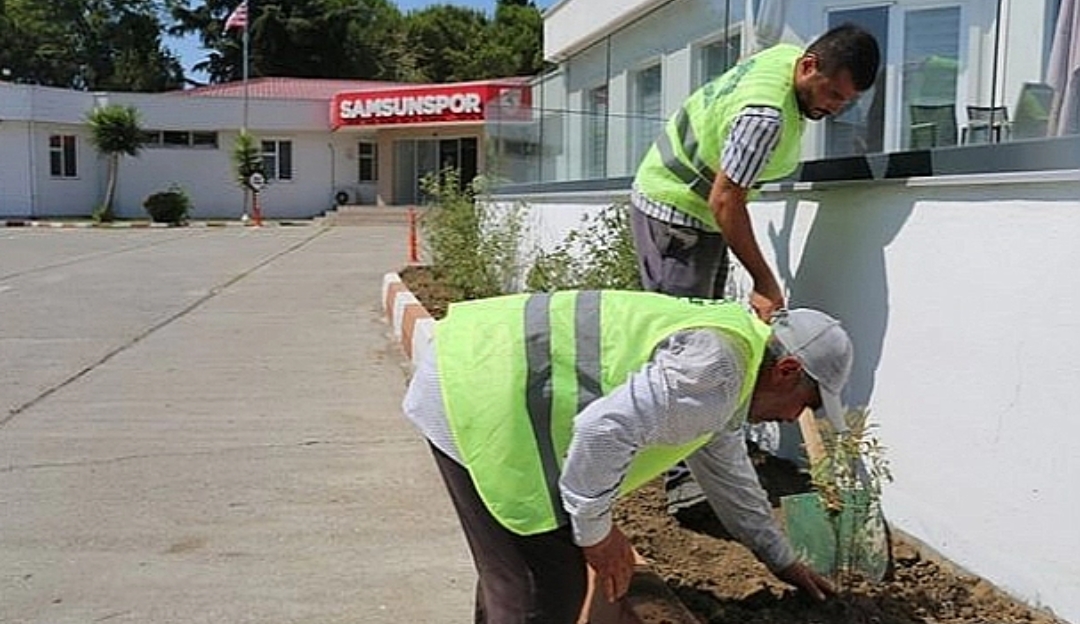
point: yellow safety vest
(516, 370)
(680, 167)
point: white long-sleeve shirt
(689, 388)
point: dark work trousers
(533, 579)
(681, 261)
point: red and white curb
(412, 324)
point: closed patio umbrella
(1063, 73)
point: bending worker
(541, 409)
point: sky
(191, 52)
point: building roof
(287, 88)
(314, 88)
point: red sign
(425, 104)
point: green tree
(247, 157)
(87, 44)
(455, 43)
(515, 42)
(114, 131)
(365, 39)
(302, 38)
(445, 39)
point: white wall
(958, 296)
(15, 188)
(569, 26)
(63, 197)
(30, 114)
(962, 358)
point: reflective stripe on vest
(701, 180)
(681, 166)
(538, 380)
(515, 371)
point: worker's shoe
(683, 494)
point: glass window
(596, 141)
(151, 138)
(717, 57)
(470, 148)
(174, 138)
(277, 159)
(367, 159)
(860, 129)
(646, 121)
(931, 67)
(204, 139)
(62, 156)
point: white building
(323, 142)
(945, 243)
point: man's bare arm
(727, 201)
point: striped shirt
(689, 388)
(754, 135)
(753, 138)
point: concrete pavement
(203, 425)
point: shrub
(598, 255)
(848, 479)
(474, 246)
(169, 206)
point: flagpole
(247, 37)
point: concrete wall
(956, 292)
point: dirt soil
(722, 583)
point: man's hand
(613, 561)
(765, 304)
(801, 576)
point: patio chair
(1032, 112)
(986, 123)
(932, 125)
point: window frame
(595, 138)
(68, 162)
(372, 158)
(699, 75)
(274, 156)
(636, 117)
(156, 139)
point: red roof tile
(287, 88)
(313, 88)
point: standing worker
(541, 409)
(690, 192)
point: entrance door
(415, 159)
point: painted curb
(413, 326)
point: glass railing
(975, 73)
(555, 145)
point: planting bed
(721, 582)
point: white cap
(825, 351)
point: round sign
(256, 181)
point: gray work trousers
(523, 579)
(679, 260)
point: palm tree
(247, 159)
(115, 132)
